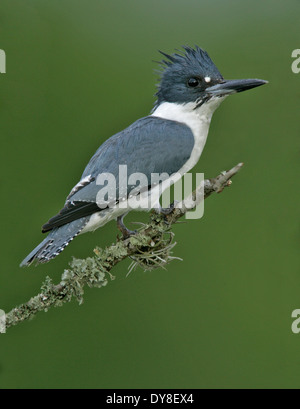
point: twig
(150, 248)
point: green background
(78, 72)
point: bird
(168, 141)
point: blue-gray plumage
(167, 142)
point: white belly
(198, 120)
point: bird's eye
(193, 82)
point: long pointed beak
(232, 86)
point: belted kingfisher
(170, 140)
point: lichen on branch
(150, 248)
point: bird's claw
(123, 229)
(166, 210)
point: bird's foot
(123, 229)
(166, 210)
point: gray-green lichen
(150, 248)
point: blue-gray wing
(150, 145)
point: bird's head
(192, 77)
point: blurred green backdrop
(79, 71)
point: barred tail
(56, 241)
